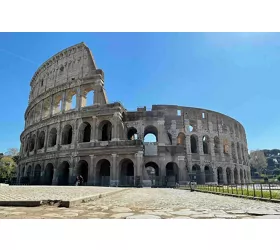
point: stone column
(161, 130)
(63, 105)
(238, 176)
(116, 125)
(232, 176)
(51, 106)
(41, 113)
(225, 176)
(202, 174)
(183, 178)
(139, 166)
(94, 134)
(55, 176)
(92, 171)
(162, 167)
(215, 174)
(78, 99)
(114, 180)
(46, 139)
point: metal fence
(257, 190)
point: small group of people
(79, 180)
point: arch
(67, 135)
(132, 134)
(194, 145)
(235, 174)
(152, 169)
(57, 103)
(28, 172)
(22, 171)
(206, 144)
(32, 143)
(85, 132)
(52, 137)
(216, 145)
(82, 169)
(228, 172)
(87, 97)
(220, 175)
(241, 176)
(126, 172)
(41, 140)
(48, 174)
(208, 174)
(63, 174)
(105, 131)
(70, 100)
(181, 139)
(226, 146)
(196, 174)
(172, 172)
(150, 134)
(103, 172)
(37, 174)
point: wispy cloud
(19, 57)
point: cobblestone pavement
(155, 204)
(36, 193)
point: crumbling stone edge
(59, 203)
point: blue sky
(233, 73)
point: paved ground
(151, 203)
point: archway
(152, 171)
(82, 169)
(37, 175)
(126, 172)
(235, 175)
(193, 144)
(132, 134)
(208, 174)
(28, 172)
(206, 144)
(216, 145)
(48, 174)
(151, 134)
(220, 175)
(228, 172)
(171, 174)
(52, 137)
(103, 172)
(63, 174)
(41, 140)
(22, 171)
(196, 174)
(67, 135)
(105, 131)
(84, 132)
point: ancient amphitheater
(71, 128)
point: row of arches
(84, 135)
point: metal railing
(269, 191)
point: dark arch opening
(82, 169)
(152, 171)
(228, 171)
(103, 172)
(208, 174)
(67, 135)
(41, 140)
(241, 176)
(49, 174)
(196, 174)
(193, 144)
(37, 175)
(105, 129)
(235, 176)
(28, 172)
(132, 134)
(52, 137)
(171, 169)
(127, 172)
(220, 175)
(32, 143)
(150, 134)
(205, 141)
(85, 132)
(63, 174)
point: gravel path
(155, 204)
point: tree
(258, 160)
(7, 167)
(14, 153)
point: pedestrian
(77, 181)
(81, 180)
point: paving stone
(16, 213)
(53, 215)
(143, 216)
(121, 215)
(202, 216)
(262, 212)
(121, 210)
(184, 212)
(268, 217)
(68, 214)
(225, 216)
(236, 212)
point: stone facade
(71, 129)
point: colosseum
(71, 129)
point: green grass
(275, 194)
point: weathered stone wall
(65, 136)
